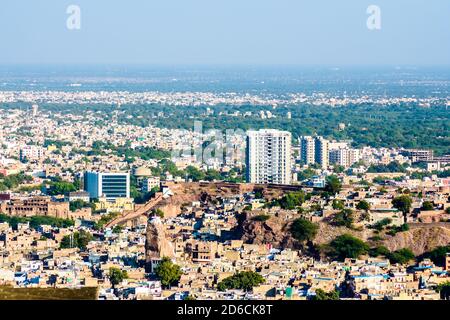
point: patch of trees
(444, 290)
(305, 174)
(290, 201)
(402, 203)
(392, 167)
(400, 125)
(363, 205)
(245, 280)
(12, 181)
(78, 239)
(323, 295)
(333, 184)
(79, 204)
(427, 205)
(401, 256)
(36, 221)
(345, 246)
(105, 219)
(338, 204)
(437, 255)
(379, 225)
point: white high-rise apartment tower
(321, 149)
(269, 157)
(314, 150)
(307, 150)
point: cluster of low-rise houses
(33, 257)
(201, 235)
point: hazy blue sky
(330, 32)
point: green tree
(379, 251)
(322, 295)
(259, 193)
(245, 280)
(261, 217)
(79, 239)
(402, 256)
(438, 254)
(117, 229)
(303, 230)
(363, 205)
(344, 218)
(427, 205)
(347, 246)
(61, 188)
(195, 174)
(338, 204)
(78, 204)
(291, 200)
(333, 184)
(159, 213)
(305, 174)
(116, 276)
(168, 272)
(444, 290)
(403, 203)
(105, 219)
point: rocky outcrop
(274, 231)
(157, 245)
(186, 193)
(327, 233)
(420, 239)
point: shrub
(343, 218)
(338, 204)
(379, 251)
(261, 218)
(381, 224)
(401, 256)
(427, 205)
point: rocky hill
(420, 238)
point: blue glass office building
(109, 185)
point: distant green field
(10, 293)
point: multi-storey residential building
(31, 153)
(111, 185)
(149, 183)
(418, 155)
(321, 151)
(307, 150)
(269, 157)
(314, 150)
(344, 156)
